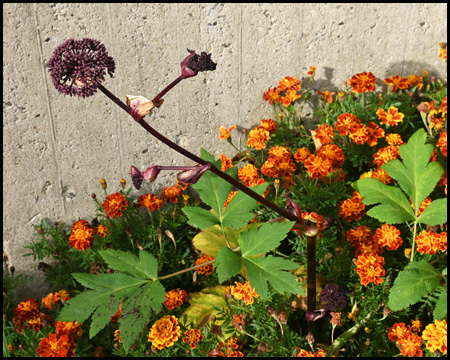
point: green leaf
(415, 174)
(228, 264)
(416, 281)
(374, 192)
(259, 241)
(435, 213)
(146, 267)
(269, 269)
(200, 218)
(440, 311)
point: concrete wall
(56, 148)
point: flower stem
(186, 270)
(168, 87)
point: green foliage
(134, 282)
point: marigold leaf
(416, 281)
(435, 213)
(228, 264)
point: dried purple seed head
(136, 177)
(333, 297)
(77, 67)
(194, 63)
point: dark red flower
(194, 63)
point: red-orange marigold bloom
(386, 154)
(389, 236)
(230, 197)
(175, 298)
(247, 173)
(101, 230)
(301, 154)
(326, 96)
(345, 123)
(395, 82)
(269, 125)
(383, 176)
(56, 346)
(443, 107)
(362, 82)
(244, 292)
(442, 142)
(289, 83)
(428, 242)
(69, 328)
(359, 235)
(258, 138)
(394, 139)
(333, 153)
(49, 301)
(324, 134)
(224, 133)
(226, 162)
(317, 166)
(414, 80)
(290, 97)
(150, 201)
(353, 208)
(170, 194)
(359, 134)
(164, 332)
(115, 204)
(82, 236)
(272, 95)
(303, 353)
(370, 269)
(193, 336)
(392, 117)
(411, 345)
(374, 133)
(436, 336)
(207, 269)
(27, 309)
(398, 331)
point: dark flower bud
(151, 173)
(194, 63)
(294, 209)
(136, 177)
(190, 177)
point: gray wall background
(57, 148)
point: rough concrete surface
(57, 148)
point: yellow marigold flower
(207, 269)
(301, 154)
(394, 139)
(82, 236)
(443, 52)
(224, 133)
(416, 324)
(362, 82)
(175, 298)
(115, 204)
(436, 336)
(370, 269)
(395, 82)
(193, 336)
(269, 125)
(392, 117)
(247, 173)
(386, 154)
(353, 208)
(258, 138)
(164, 332)
(150, 201)
(244, 292)
(389, 236)
(226, 163)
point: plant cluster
(304, 242)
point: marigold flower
(77, 67)
(422, 206)
(345, 123)
(290, 97)
(164, 332)
(82, 236)
(115, 204)
(244, 292)
(247, 173)
(272, 95)
(171, 194)
(442, 142)
(230, 197)
(49, 301)
(301, 154)
(117, 336)
(312, 71)
(362, 82)
(398, 331)
(443, 107)
(443, 52)
(207, 269)
(175, 298)
(279, 163)
(436, 336)
(416, 324)
(386, 154)
(395, 82)
(258, 138)
(324, 134)
(389, 236)
(359, 235)
(269, 125)
(374, 133)
(303, 353)
(411, 345)
(317, 166)
(150, 201)
(326, 96)
(428, 242)
(101, 230)
(289, 83)
(394, 139)
(383, 176)
(56, 346)
(392, 117)
(370, 269)
(226, 163)
(359, 134)
(239, 321)
(333, 153)
(414, 80)
(69, 328)
(224, 133)
(193, 336)
(353, 208)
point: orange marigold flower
(193, 336)
(414, 80)
(150, 201)
(63, 295)
(175, 298)
(224, 133)
(56, 346)
(359, 134)
(244, 292)
(345, 123)
(317, 166)
(272, 95)
(374, 133)
(290, 97)
(389, 236)
(324, 134)
(164, 332)
(359, 235)
(289, 83)
(416, 324)
(394, 139)
(398, 331)
(411, 345)
(422, 206)
(386, 154)
(443, 52)
(226, 163)
(383, 176)
(258, 138)
(353, 208)
(428, 242)
(247, 173)
(312, 71)
(333, 153)
(170, 194)
(82, 236)
(114, 205)
(49, 301)
(303, 353)
(207, 269)
(442, 143)
(230, 196)
(69, 328)
(117, 336)
(326, 96)
(301, 154)
(101, 230)
(436, 336)
(370, 269)
(443, 107)
(395, 82)
(269, 125)
(392, 117)
(362, 82)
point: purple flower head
(333, 298)
(77, 67)
(194, 63)
(190, 177)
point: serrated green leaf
(136, 311)
(107, 281)
(262, 240)
(435, 213)
(414, 173)
(388, 214)
(213, 191)
(228, 264)
(269, 269)
(148, 265)
(200, 218)
(106, 309)
(440, 311)
(129, 263)
(416, 281)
